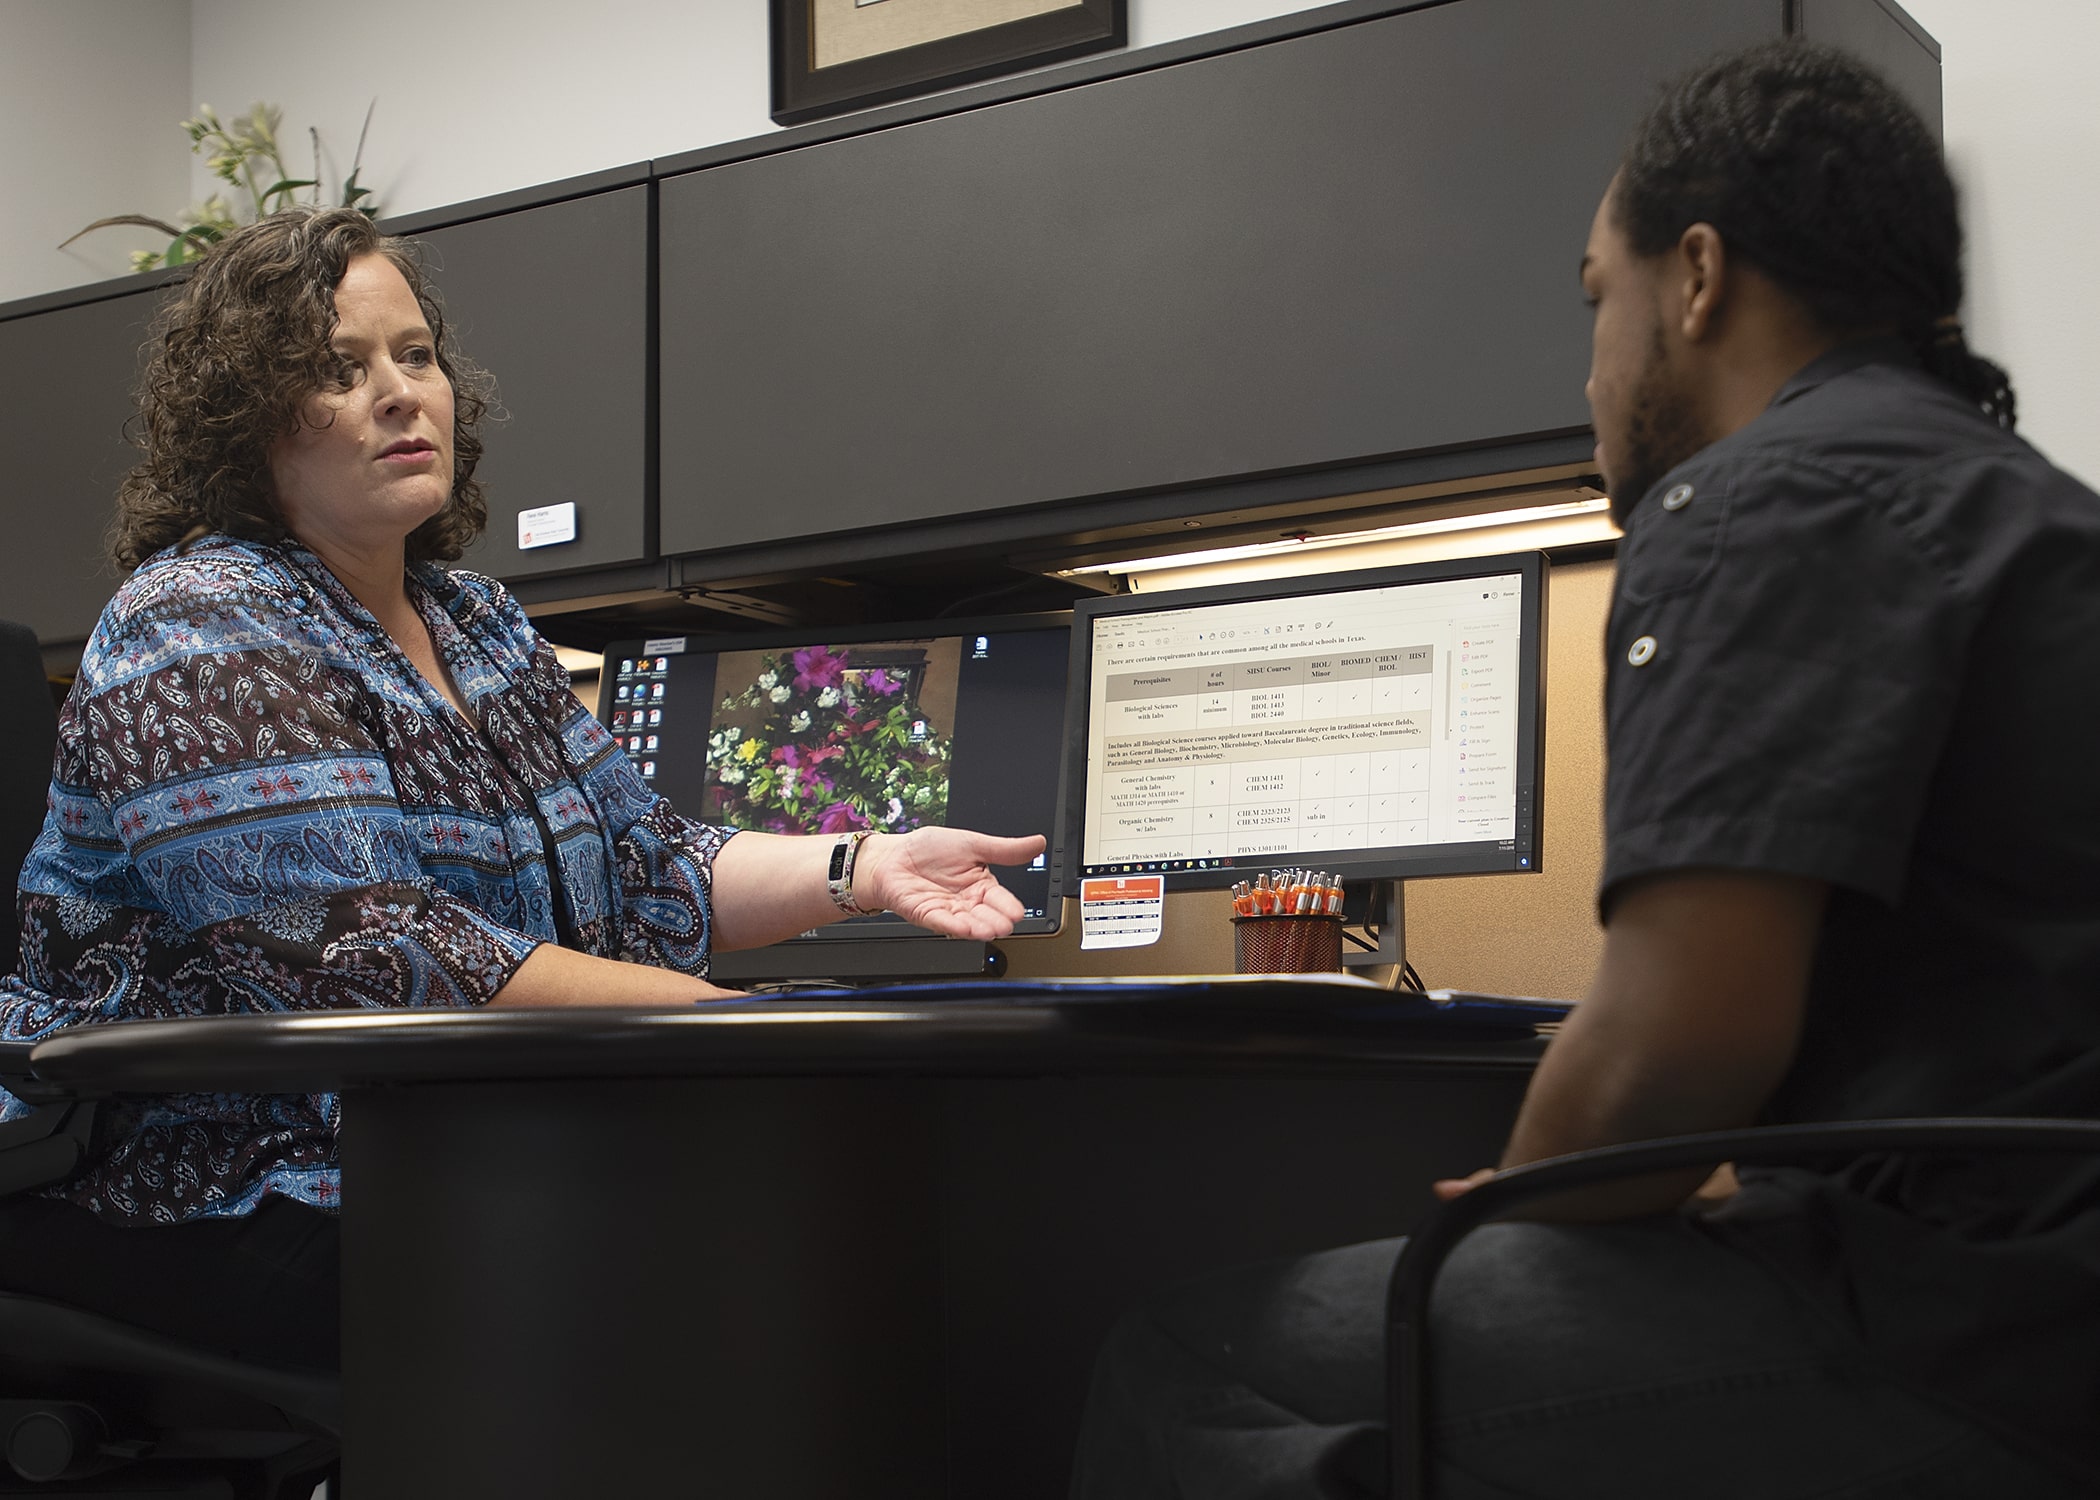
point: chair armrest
(49, 1143)
(1414, 1275)
(14, 1064)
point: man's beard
(1662, 431)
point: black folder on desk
(1345, 999)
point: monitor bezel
(775, 637)
(1066, 867)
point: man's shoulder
(1880, 460)
(1885, 424)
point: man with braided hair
(1852, 869)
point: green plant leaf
(286, 187)
(136, 221)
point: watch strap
(839, 875)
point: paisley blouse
(259, 805)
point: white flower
(799, 722)
(778, 695)
(768, 680)
(732, 776)
(829, 698)
(921, 795)
(896, 811)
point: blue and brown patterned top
(259, 805)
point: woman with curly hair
(305, 766)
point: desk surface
(902, 1219)
(1299, 1026)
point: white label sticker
(664, 645)
(547, 525)
(1121, 911)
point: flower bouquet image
(828, 739)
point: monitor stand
(1375, 908)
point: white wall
(476, 97)
(2023, 140)
(91, 93)
(529, 91)
(483, 96)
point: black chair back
(28, 733)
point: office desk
(824, 1247)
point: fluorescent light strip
(1292, 545)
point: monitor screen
(1383, 725)
(889, 728)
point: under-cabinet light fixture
(1293, 546)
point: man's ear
(1701, 265)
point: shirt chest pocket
(1677, 543)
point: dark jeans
(1571, 1361)
(261, 1287)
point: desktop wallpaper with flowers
(828, 739)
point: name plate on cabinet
(547, 525)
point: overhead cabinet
(69, 375)
(1317, 251)
(1317, 254)
(553, 301)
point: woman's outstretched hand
(941, 878)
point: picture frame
(831, 56)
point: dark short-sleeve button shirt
(1861, 644)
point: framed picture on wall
(830, 56)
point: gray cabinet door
(1322, 250)
(66, 382)
(554, 302)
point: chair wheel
(53, 1440)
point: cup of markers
(1287, 922)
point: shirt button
(1642, 651)
(1677, 497)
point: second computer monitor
(1383, 724)
(886, 728)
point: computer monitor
(1384, 725)
(824, 731)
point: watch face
(838, 859)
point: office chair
(28, 730)
(89, 1405)
(1407, 1307)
